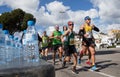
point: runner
(45, 42)
(57, 44)
(84, 50)
(64, 29)
(69, 46)
(88, 39)
(39, 44)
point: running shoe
(88, 63)
(74, 70)
(60, 60)
(63, 64)
(94, 68)
(79, 61)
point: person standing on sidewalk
(69, 46)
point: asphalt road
(107, 60)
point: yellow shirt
(88, 30)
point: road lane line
(104, 74)
(101, 73)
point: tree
(27, 17)
(15, 20)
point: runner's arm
(65, 33)
(95, 28)
(52, 36)
(81, 31)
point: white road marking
(101, 73)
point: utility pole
(62, 12)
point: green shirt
(69, 39)
(56, 41)
(45, 41)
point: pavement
(107, 61)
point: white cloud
(54, 16)
(1, 2)
(49, 15)
(78, 16)
(114, 26)
(109, 11)
(27, 5)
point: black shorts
(55, 47)
(44, 48)
(88, 42)
(69, 49)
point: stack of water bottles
(30, 43)
(2, 46)
(6, 47)
(12, 48)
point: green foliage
(113, 46)
(15, 20)
(27, 17)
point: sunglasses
(71, 24)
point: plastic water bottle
(15, 48)
(2, 46)
(24, 43)
(18, 47)
(12, 46)
(18, 50)
(31, 40)
(7, 46)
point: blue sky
(74, 5)
(4, 9)
(47, 12)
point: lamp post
(62, 12)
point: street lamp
(62, 12)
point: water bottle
(31, 40)
(15, 48)
(18, 50)
(7, 46)
(24, 42)
(2, 46)
(12, 46)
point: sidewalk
(118, 46)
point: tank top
(56, 41)
(88, 30)
(45, 41)
(70, 39)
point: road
(107, 60)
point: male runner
(88, 39)
(56, 42)
(69, 46)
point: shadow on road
(100, 65)
(105, 64)
(106, 52)
(59, 68)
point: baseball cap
(87, 18)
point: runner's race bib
(72, 41)
(89, 34)
(45, 41)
